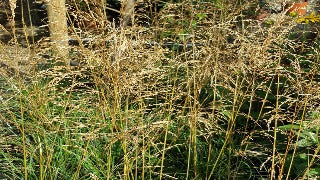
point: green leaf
(201, 16)
(194, 24)
(314, 115)
(218, 4)
(288, 127)
(314, 171)
(170, 19)
(308, 138)
(293, 14)
(269, 22)
(304, 143)
(167, 33)
(227, 114)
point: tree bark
(58, 27)
(127, 12)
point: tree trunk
(57, 16)
(127, 12)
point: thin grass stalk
(105, 103)
(84, 154)
(298, 135)
(126, 163)
(297, 109)
(196, 89)
(235, 116)
(141, 104)
(189, 155)
(208, 160)
(149, 162)
(233, 120)
(280, 176)
(76, 175)
(189, 145)
(194, 126)
(264, 101)
(41, 173)
(167, 126)
(275, 126)
(262, 107)
(109, 162)
(164, 146)
(220, 154)
(140, 124)
(24, 145)
(50, 154)
(300, 129)
(193, 131)
(314, 69)
(314, 156)
(143, 157)
(318, 147)
(229, 129)
(136, 157)
(248, 118)
(214, 120)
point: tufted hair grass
(229, 98)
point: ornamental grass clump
(205, 92)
